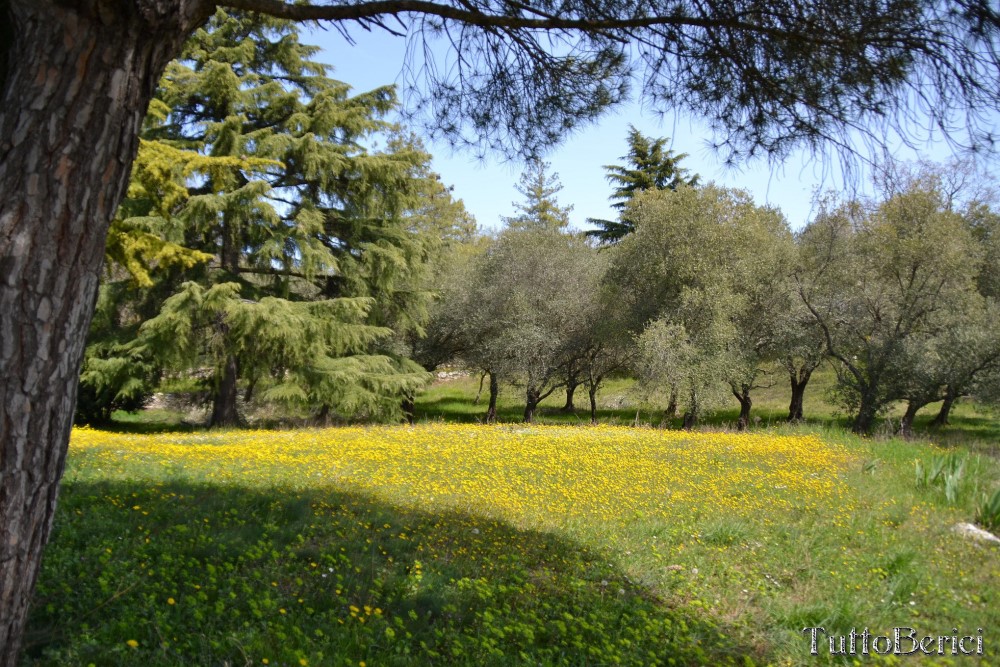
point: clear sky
(487, 187)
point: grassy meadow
(459, 543)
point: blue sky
(487, 187)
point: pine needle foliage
(540, 210)
(650, 165)
(267, 241)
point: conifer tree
(651, 166)
(540, 210)
(315, 240)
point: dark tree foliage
(651, 166)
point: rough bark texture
(77, 81)
(864, 421)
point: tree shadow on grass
(462, 410)
(142, 573)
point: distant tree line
(283, 243)
(702, 295)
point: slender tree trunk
(571, 386)
(906, 424)
(743, 396)
(592, 391)
(491, 410)
(224, 411)
(531, 398)
(798, 381)
(75, 82)
(251, 385)
(690, 419)
(480, 392)
(409, 409)
(941, 419)
(671, 411)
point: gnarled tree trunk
(906, 423)
(864, 420)
(76, 80)
(746, 403)
(531, 400)
(570, 393)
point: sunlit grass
(465, 544)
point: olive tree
(531, 303)
(712, 268)
(877, 276)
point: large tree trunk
(491, 411)
(864, 421)
(571, 386)
(76, 80)
(798, 381)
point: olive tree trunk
(75, 81)
(746, 403)
(798, 382)
(531, 399)
(491, 410)
(906, 423)
(941, 419)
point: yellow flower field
(496, 545)
(541, 474)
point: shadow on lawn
(458, 409)
(214, 575)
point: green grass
(339, 547)
(214, 554)
(971, 425)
